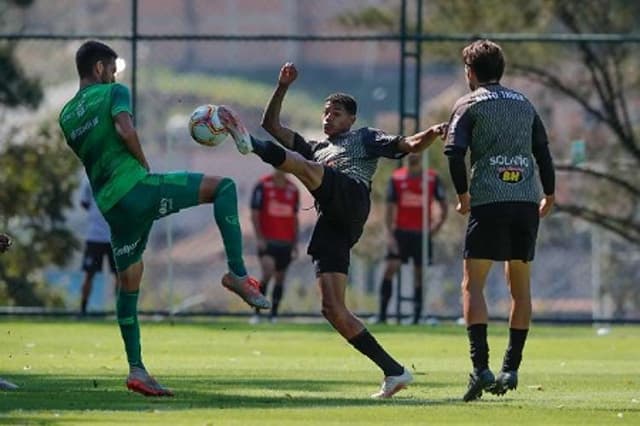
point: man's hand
(424, 139)
(546, 204)
(441, 129)
(288, 74)
(5, 242)
(464, 203)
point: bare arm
(126, 130)
(441, 217)
(422, 140)
(255, 219)
(390, 220)
(294, 250)
(390, 216)
(271, 117)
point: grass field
(230, 373)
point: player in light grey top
(98, 228)
(97, 246)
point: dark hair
(347, 101)
(486, 60)
(91, 52)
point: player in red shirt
(274, 212)
(404, 224)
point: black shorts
(94, 254)
(281, 253)
(410, 247)
(502, 231)
(343, 204)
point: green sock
(127, 313)
(225, 211)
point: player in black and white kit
(504, 135)
(338, 172)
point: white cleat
(255, 319)
(393, 384)
(7, 385)
(231, 121)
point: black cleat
(478, 382)
(506, 381)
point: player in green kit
(98, 126)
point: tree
(600, 77)
(15, 88)
(38, 180)
(38, 176)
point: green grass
(229, 373)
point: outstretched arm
(271, 117)
(422, 140)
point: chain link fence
(183, 53)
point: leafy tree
(38, 179)
(38, 176)
(15, 88)
(599, 77)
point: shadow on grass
(234, 324)
(71, 393)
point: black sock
(275, 299)
(269, 152)
(479, 348)
(83, 307)
(513, 354)
(417, 304)
(369, 346)
(385, 296)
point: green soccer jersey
(88, 126)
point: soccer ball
(205, 127)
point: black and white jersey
(354, 153)
(501, 129)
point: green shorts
(155, 196)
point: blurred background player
(97, 246)
(504, 134)
(274, 212)
(5, 243)
(404, 226)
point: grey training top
(500, 127)
(354, 153)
